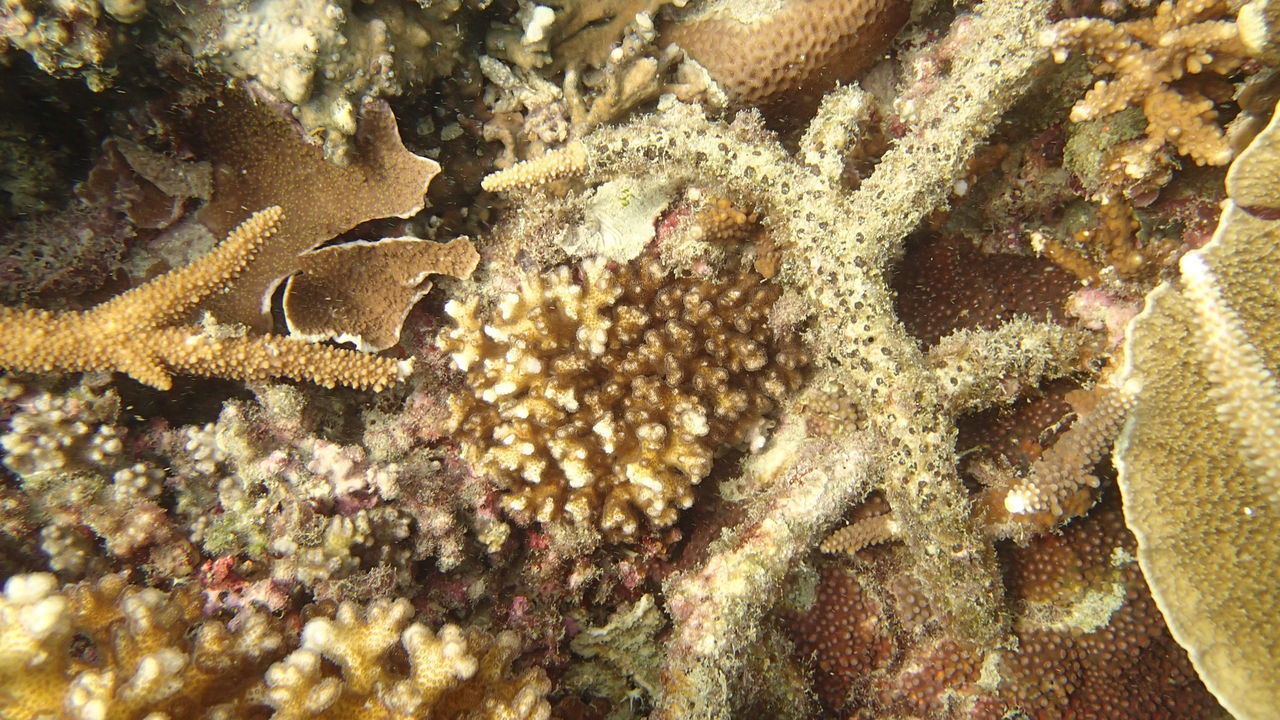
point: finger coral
(1197, 459)
(134, 332)
(606, 397)
(108, 649)
(449, 674)
(113, 650)
(1145, 58)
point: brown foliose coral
(606, 398)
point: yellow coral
(109, 650)
(133, 333)
(1144, 57)
(451, 673)
(607, 399)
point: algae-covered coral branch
(134, 334)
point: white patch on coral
(619, 221)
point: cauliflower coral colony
(614, 359)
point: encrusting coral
(109, 649)
(606, 398)
(1146, 58)
(1197, 460)
(135, 334)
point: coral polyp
(605, 396)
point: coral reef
(1147, 56)
(133, 333)
(1195, 460)
(607, 399)
(811, 46)
(112, 649)
(1089, 640)
(326, 58)
(260, 159)
(737, 359)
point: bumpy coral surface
(110, 649)
(606, 398)
(1090, 642)
(761, 53)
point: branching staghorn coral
(1147, 56)
(1197, 459)
(134, 333)
(844, 244)
(607, 399)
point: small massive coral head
(606, 397)
(1198, 457)
(134, 333)
(761, 53)
(1146, 58)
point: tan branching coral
(763, 54)
(554, 165)
(135, 333)
(1059, 485)
(261, 159)
(112, 650)
(1146, 57)
(1197, 460)
(607, 398)
(323, 301)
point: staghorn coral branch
(127, 333)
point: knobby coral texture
(606, 398)
(608, 359)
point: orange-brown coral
(261, 159)
(135, 333)
(606, 397)
(1147, 58)
(798, 50)
(1090, 642)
